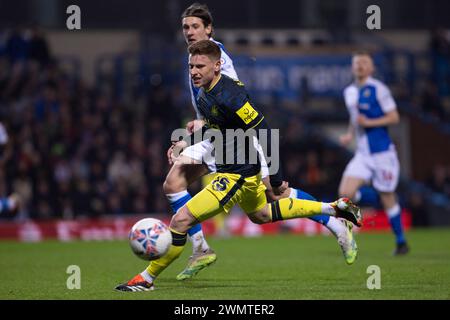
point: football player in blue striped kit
(372, 110)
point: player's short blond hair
(207, 48)
(362, 53)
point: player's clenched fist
(194, 125)
(175, 150)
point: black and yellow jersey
(226, 106)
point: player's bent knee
(172, 187)
(271, 196)
(260, 217)
(255, 219)
(182, 220)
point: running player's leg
(331, 223)
(286, 209)
(218, 196)
(194, 162)
(349, 186)
(387, 172)
(184, 172)
(260, 212)
(367, 196)
(393, 211)
(341, 229)
(356, 174)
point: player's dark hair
(200, 11)
(205, 47)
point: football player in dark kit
(225, 104)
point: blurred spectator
(440, 180)
(47, 103)
(418, 209)
(431, 101)
(75, 151)
(38, 50)
(440, 52)
(16, 46)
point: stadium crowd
(435, 97)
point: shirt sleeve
(385, 99)
(227, 66)
(351, 98)
(246, 115)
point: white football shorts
(382, 169)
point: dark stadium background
(89, 112)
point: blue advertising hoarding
(287, 76)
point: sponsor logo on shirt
(247, 113)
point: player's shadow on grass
(215, 283)
(171, 280)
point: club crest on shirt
(366, 93)
(214, 111)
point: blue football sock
(4, 204)
(395, 220)
(194, 229)
(367, 196)
(323, 218)
(178, 203)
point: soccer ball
(150, 239)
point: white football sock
(199, 243)
(357, 197)
(147, 276)
(328, 209)
(335, 226)
(394, 211)
(172, 197)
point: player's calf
(175, 189)
(349, 186)
(286, 209)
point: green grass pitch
(271, 267)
